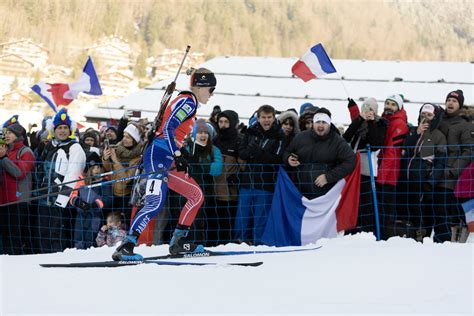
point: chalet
(26, 49)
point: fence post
(374, 194)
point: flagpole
(341, 80)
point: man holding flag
(324, 199)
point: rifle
(166, 99)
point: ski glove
(181, 164)
(77, 202)
(351, 102)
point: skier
(158, 158)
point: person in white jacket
(62, 161)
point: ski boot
(179, 244)
(124, 252)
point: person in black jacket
(262, 149)
(320, 156)
(424, 160)
(366, 128)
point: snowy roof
(245, 83)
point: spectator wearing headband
(320, 156)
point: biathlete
(159, 157)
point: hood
(289, 114)
(232, 116)
(439, 113)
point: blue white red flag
(295, 220)
(56, 94)
(314, 64)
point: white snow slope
(348, 275)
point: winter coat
(204, 167)
(329, 154)
(465, 184)
(425, 155)
(90, 195)
(262, 151)
(389, 157)
(16, 170)
(111, 237)
(127, 158)
(228, 141)
(365, 132)
(61, 162)
(460, 138)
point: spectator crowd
(63, 187)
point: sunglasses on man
(211, 90)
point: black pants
(366, 215)
(386, 195)
(55, 227)
(445, 212)
(220, 220)
(16, 229)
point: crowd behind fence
(64, 190)
(417, 210)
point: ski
(227, 253)
(114, 264)
(178, 256)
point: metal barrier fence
(423, 201)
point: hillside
(381, 30)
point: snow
(348, 275)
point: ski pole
(69, 190)
(85, 178)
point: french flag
(295, 220)
(314, 64)
(56, 94)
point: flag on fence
(315, 63)
(56, 94)
(295, 220)
(469, 210)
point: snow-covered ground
(349, 275)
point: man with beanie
(62, 161)
(16, 166)
(460, 139)
(162, 153)
(389, 162)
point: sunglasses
(211, 90)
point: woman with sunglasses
(159, 158)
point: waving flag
(295, 220)
(56, 94)
(469, 211)
(314, 64)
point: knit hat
(397, 98)
(12, 120)
(203, 126)
(61, 118)
(427, 107)
(307, 107)
(203, 77)
(113, 128)
(458, 95)
(93, 159)
(133, 131)
(17, 129)
(370, 103)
